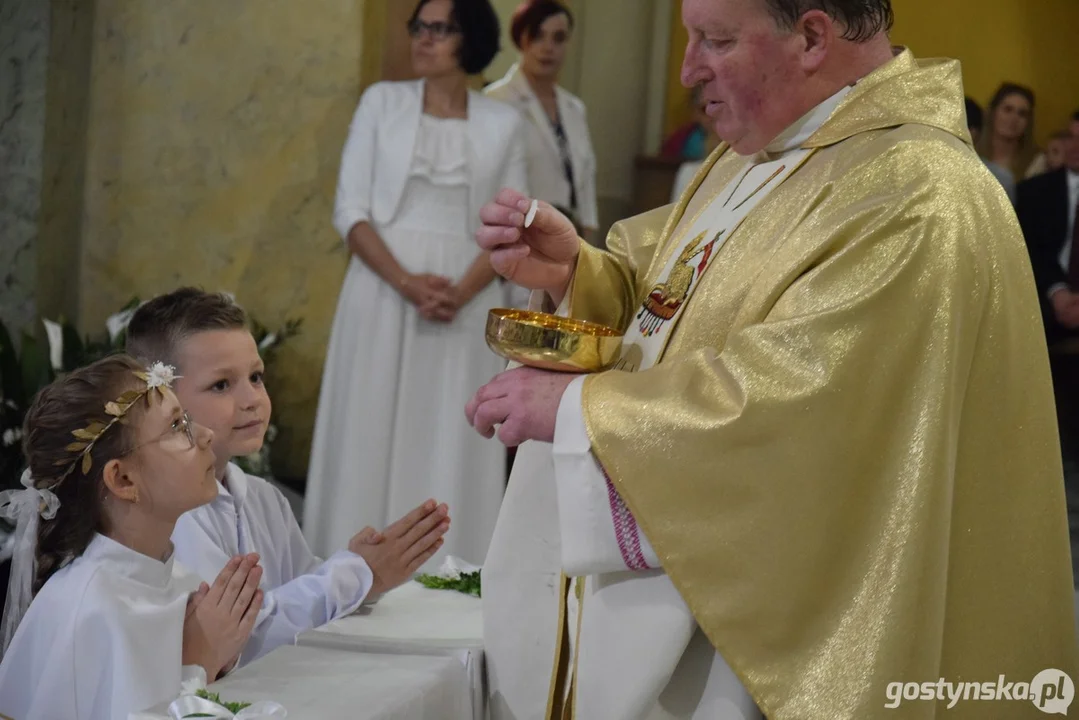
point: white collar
(805, 126)
(515, 78)
(236, 492)
(1073, 179)
(130, 563)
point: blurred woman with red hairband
(561, 163)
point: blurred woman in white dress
(561, 163)
(407, 345)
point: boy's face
(221, 388)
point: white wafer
(531, 213)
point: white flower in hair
(160, 375)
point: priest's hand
(523, 401)
(220, 617)
(540, 257)
(398, 551)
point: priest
(827, 460)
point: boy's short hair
(160, 325)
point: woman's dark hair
(974, 114)
(69, 404)
(1007, 89)
(480, 32)
(530, 16)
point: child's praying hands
(397, 552)
(220, 618)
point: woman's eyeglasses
(437, 30)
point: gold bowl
(550, 342)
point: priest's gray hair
(861, 19)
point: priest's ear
(818, 32)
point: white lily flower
(117, 323)
(55, 333)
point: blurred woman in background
(561, 163)
(407, 346)
(1007, 141)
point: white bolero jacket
(377, 156)
(546, 176)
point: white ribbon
(190, 705)
(24, 507)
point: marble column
(24, 48)
(210, 145)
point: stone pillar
(64, 162)
(198, 143)
(24, 50)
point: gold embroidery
(673, 293)
(579, 588)
(760, 187)
(799, 162)
(556, 694)
(666, 298)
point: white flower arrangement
(161, 375)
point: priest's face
(748, 68)
(221, 386)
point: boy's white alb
(300, 591)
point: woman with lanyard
(561, 164)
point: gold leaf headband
(157, 377)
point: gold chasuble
(846, 455)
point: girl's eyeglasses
(181, 424)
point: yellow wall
(1033, 42)
(678, 109)
(212, 145)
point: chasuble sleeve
(607, 283)
(833, 482)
